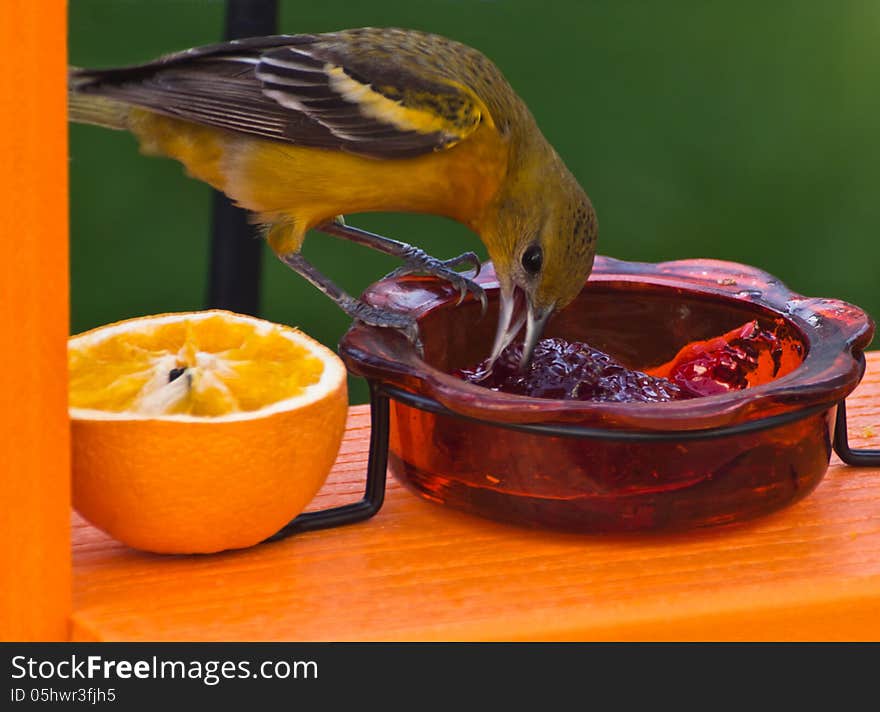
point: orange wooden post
(35, 451)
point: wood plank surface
(418, 571)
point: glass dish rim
(834, 332)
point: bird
(303, 129)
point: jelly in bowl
(589, 466)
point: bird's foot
(415, 260)
(419, 262)
(355, 308)
(385, 318)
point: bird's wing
(302, 89)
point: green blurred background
(745, 131)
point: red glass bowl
(612, 467)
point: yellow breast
(307, 186)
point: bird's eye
(532, 259)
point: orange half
(201, 431)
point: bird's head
(542, 249)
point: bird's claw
(411, 331)
(466, 258)
(389, 319)
(422, 263)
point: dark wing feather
(298, 89)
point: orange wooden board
(418, 571)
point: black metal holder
(567, 430)
(380, 394)
(374, 495)
(856, 458)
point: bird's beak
(511, 317)
(535, 322)
(517, 309)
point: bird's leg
(355, 308)
(416, 260)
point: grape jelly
(570, 371)
(576, 371)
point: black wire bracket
(377, 462)
(374, 494)
(856, 458)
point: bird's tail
(87, 108)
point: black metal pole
(236, 250)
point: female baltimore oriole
(301, 129)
